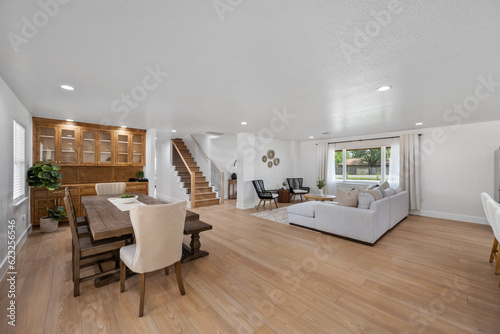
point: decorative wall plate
(264, 158)
(270, 154)
(269, 164)
(276, 161)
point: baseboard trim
(20, 242)
(451, 216)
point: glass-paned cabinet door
(47, 144)
(88, 147)
(68, 146)
(105, 151)
(122, 149)
(137, 148)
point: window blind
(19, 156)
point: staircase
(204, 194)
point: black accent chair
(296, 188)
(265, 195)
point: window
(362, 164)
(19, 168)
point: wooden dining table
(107, 221)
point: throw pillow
(348, 199)
(371, 187)
(365, 199)
(398, 189)
(388, 192)
(377, 194)
(385, 185)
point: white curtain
(331, 182)
(394, 163)
(409, 176)
(322, 161)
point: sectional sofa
(363, 225)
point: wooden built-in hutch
(88, 154)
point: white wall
(251, 149)
(12, 109)
(168, 185)
(223, 153)
(457, 165)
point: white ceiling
(264, 55)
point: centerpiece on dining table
(126, 199)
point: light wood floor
(427, 275)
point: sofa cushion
(303, 209)
(398, 189)
(385, 185)
(348, 199)
(299, 191)
(365, 199)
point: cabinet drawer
(88, 191)
(137, 188)
(42, 193)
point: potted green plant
(320, 184)
(45, 175)
(140, 175)
(284, 185)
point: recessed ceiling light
(311, 137)
(244, 123)
(174, 130)
(69, 120)
(67, 87)
(123, 126)
(419, 123)
(383, 88)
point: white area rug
(279, 215)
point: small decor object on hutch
(140, 175)
(44, 175)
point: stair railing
(191, 173)
(216, 176)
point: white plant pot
(48, 225)
(321, 192)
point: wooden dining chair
(158, 233)
(112, 188)
(492, 209)
(88, 252)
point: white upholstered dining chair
(158, 233)
(489, 210)
(497, 220)
(113, 188)
(492, 208)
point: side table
(231, 182)
(284, 195)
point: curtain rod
(353, 141)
